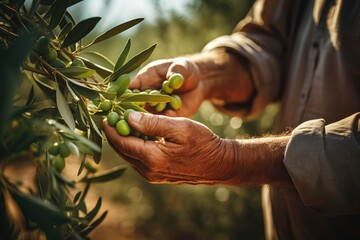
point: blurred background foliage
(139, 210)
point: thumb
(151, 124)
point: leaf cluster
(52, 86)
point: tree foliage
(52, 86)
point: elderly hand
(190, 152)
(191, 93)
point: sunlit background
(137, 209)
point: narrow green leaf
(108, 95)
(82, 139)
(106, 176)
(85, 91)
(71, 91)
(77, 72)
(65, 30)
(98, 58)
(130, 105)
(44, 82)
(96, 138)
(31, 97)
(41, 105)
(79, 31)
(31, 207)
(148, 98)
(57, 11)
(82, 165)
(115, 30)
(133, 63)
(94, 127)
(91, 215)
(77, 197)
(102, 71)
(123, 55)
(94, 224)
(64, 108)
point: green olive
(51, 55)
(64, 150)
(113, 118)
(176, 80)
(123, 128)
(105, 105)
(126, 114)
(160, 107)
(58, 163)
(166, 87)
(120, 85)
(176, 102)
(153, 92)
(54, 149)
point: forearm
(224, 76)
(259, 161)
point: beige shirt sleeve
(261, 38)
(324, 164)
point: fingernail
(135, 116)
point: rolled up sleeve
(261, 38)
(324, 164)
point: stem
(35, 70)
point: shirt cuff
(324, 164)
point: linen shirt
(306, 54)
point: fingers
(151, 76)
(187, 69)
(157, 125)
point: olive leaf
(130, 105)
(64, 108)
(31, 207)
(114, 31)
(57, 12)
(105, 176)
(146, 98)
(77, 72)
(96, 138)
(98, 58)
(79, 137)
(93, 225)
(102, 71)
(65, 30)
(92, 213)
(123, 55)
(79, 31)
(133, 63)
(85, 91)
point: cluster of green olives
(59, 151)
(174, 82)
(118, 116)
(45, 48)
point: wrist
(260, 161)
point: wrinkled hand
(191, 93)
(190, 152)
